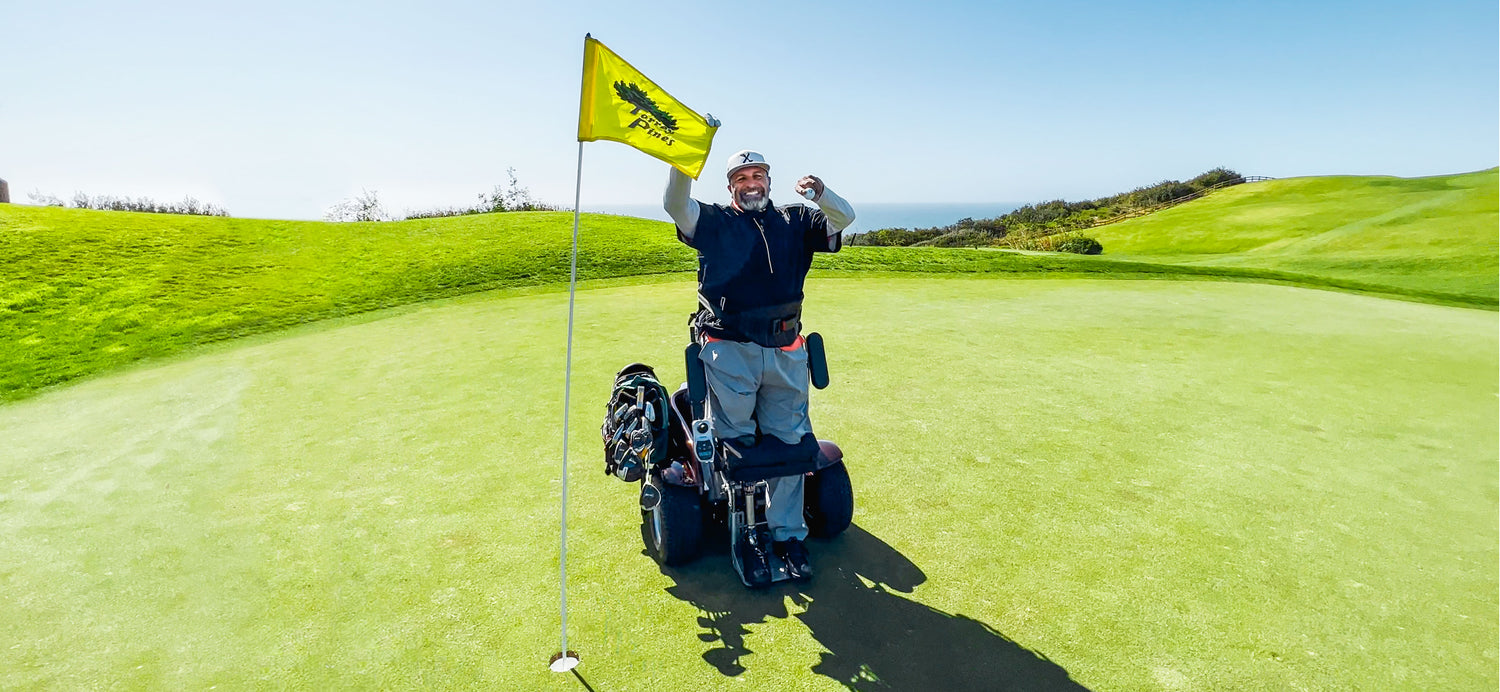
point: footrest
(770, 458)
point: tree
(636, 96)
(362, 207)
(46, 200)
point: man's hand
(810, 182)
(711, 121)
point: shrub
(893, 237)
(1160, 193)
(362, 207)
(511, 197)
(1216, 176)
(995, 228)
(83, 200)
(43, 199)
(1040, 214)
(1076, 244)
(959, 238)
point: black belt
(772, 326)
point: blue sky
(280, 109)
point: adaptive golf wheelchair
(689, 477)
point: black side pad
(697, 381)
(817, 362)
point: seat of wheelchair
(769, 457)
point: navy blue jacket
(751, 260)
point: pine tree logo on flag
(636, 96)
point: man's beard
(752, 199)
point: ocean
(871, 216)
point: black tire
(673, 531)
(828, 501)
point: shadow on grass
(875, 638)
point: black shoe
(755, 563)
(794, 552)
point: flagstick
(566, 660)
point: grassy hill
(86, 291)
(82, 291)
(1424, 234)
(1057, 225)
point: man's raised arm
(679, 203)
(836, 208)
(840, 214)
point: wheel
(828, 504)
(673, 530)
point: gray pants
(749, 383)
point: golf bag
(636, 425)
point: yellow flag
(621, 105)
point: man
(752, 260)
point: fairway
(1114, 485)
(1419, 236)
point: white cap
(743, 158)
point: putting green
(1110, 484)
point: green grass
(1133, 485)
(1127, 485)
(1435, 235)
(84, 292)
